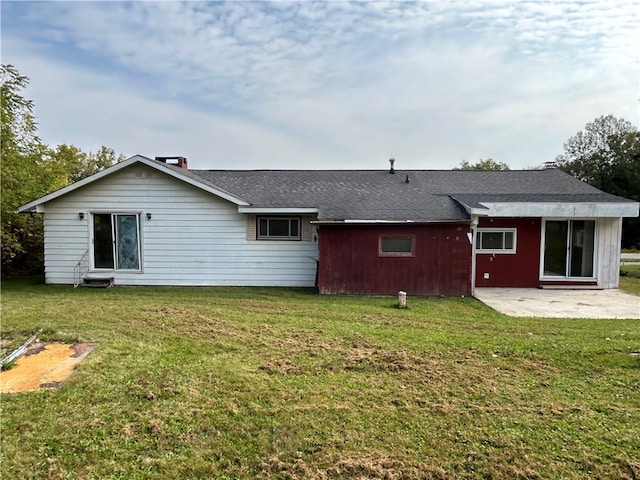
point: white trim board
(559, 210)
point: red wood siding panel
(519, 270)
(350, 261)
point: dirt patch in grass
(44, 365)
(283, 367)
(309, 343)
(367, 466)
(363, 358)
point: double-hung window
(279, 228)
(116, 241)
(496, 240)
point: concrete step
(95, 282)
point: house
(428, 232)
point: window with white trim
(496, 240)
(396, 245)
(278, 228)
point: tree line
(606, 154)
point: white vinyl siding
(192, 238)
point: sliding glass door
(569, 247)
(116, 241)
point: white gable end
(38, 205)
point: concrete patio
(533, 302)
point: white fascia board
(275, 210)
(560, 210)
(478, 212)
(38, 205)
(473, 211)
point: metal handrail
(81, 269)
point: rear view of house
(428, 232)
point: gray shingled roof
(379, 195)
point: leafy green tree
(72, 164)
(29, 170)
(23, 177)
(606, 154)
(486, 164)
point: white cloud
(331, 84)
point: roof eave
(277, 210)
(386, 222)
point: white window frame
(596, 250)
(114, 214)
(288, 238)
(501, 251)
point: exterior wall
(608, 252)
(519, 270)
(522, 269)
(192, 238)
(350, 262)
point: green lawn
(284, 383)
(630, 278)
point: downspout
(474, 226)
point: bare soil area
(43, 365)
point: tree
(72, 164)
(487, 164)
(29, 170)
(22, 179)
(606, 154)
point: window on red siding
(496, 240)
(396, 246)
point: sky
(327, 84)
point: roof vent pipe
(406, 180)
(391, 162)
